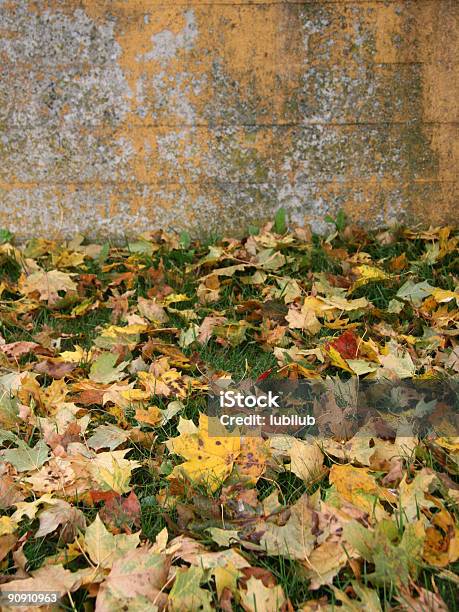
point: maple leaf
(426, 601)
(111, 471)
(441, 545)
(294, 539)
(104, 548)
(359, 487)
(121, 513)
(47, 284)
(395, 559)
(24, 458)
(14, 350)
(151, 416)
(257, 597)
(324, 563)
(303, 319)
(186, 594)
(251, 462)
(415, 495)
(161, 379)
(103, 369)
(60, 514)
(368, 274)
(152, 310)
(306, 459)
(346, 345)
(107, 436)
(209, 458)
(368, 599)
(135, 581)
(61, 580)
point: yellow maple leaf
(359, 487)
(368, 274)
(68, 259)
(442, 295)
(251, 462)
(77, 355)
(336, 358)
(209, 458)
(112, 331)
(103, 547)
(7, 525)
(161, 379)
(112, 471)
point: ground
(116, 493)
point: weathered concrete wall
(122, 115)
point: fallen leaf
(47, 285)
(186, 594)
(104, 548)
(259, 597)
(294, 539)
(360, 488)
(107, 436)
(209, 458)
(61, 514)
(24, 458)
(122, 513)
(103, 369)
(135, 582)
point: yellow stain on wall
(209, 88)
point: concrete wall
(123, 115)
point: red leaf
(98, 496)
(346, 345)
(265, 374)
(122, 514)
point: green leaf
(280, 221)
(104, 251)
(104, 548)
(186, 594)
(414, 292)
(185, 240)
(107, 436)
(24, 458)
(5, 235)
(103, 369)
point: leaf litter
(115, 495)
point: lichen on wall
(118, 116)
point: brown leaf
(7, 543)
(9, 492)
(47, 285)
(426, 601)
(14, 350)
(54, 368)
(61, 514)
(61, 580)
